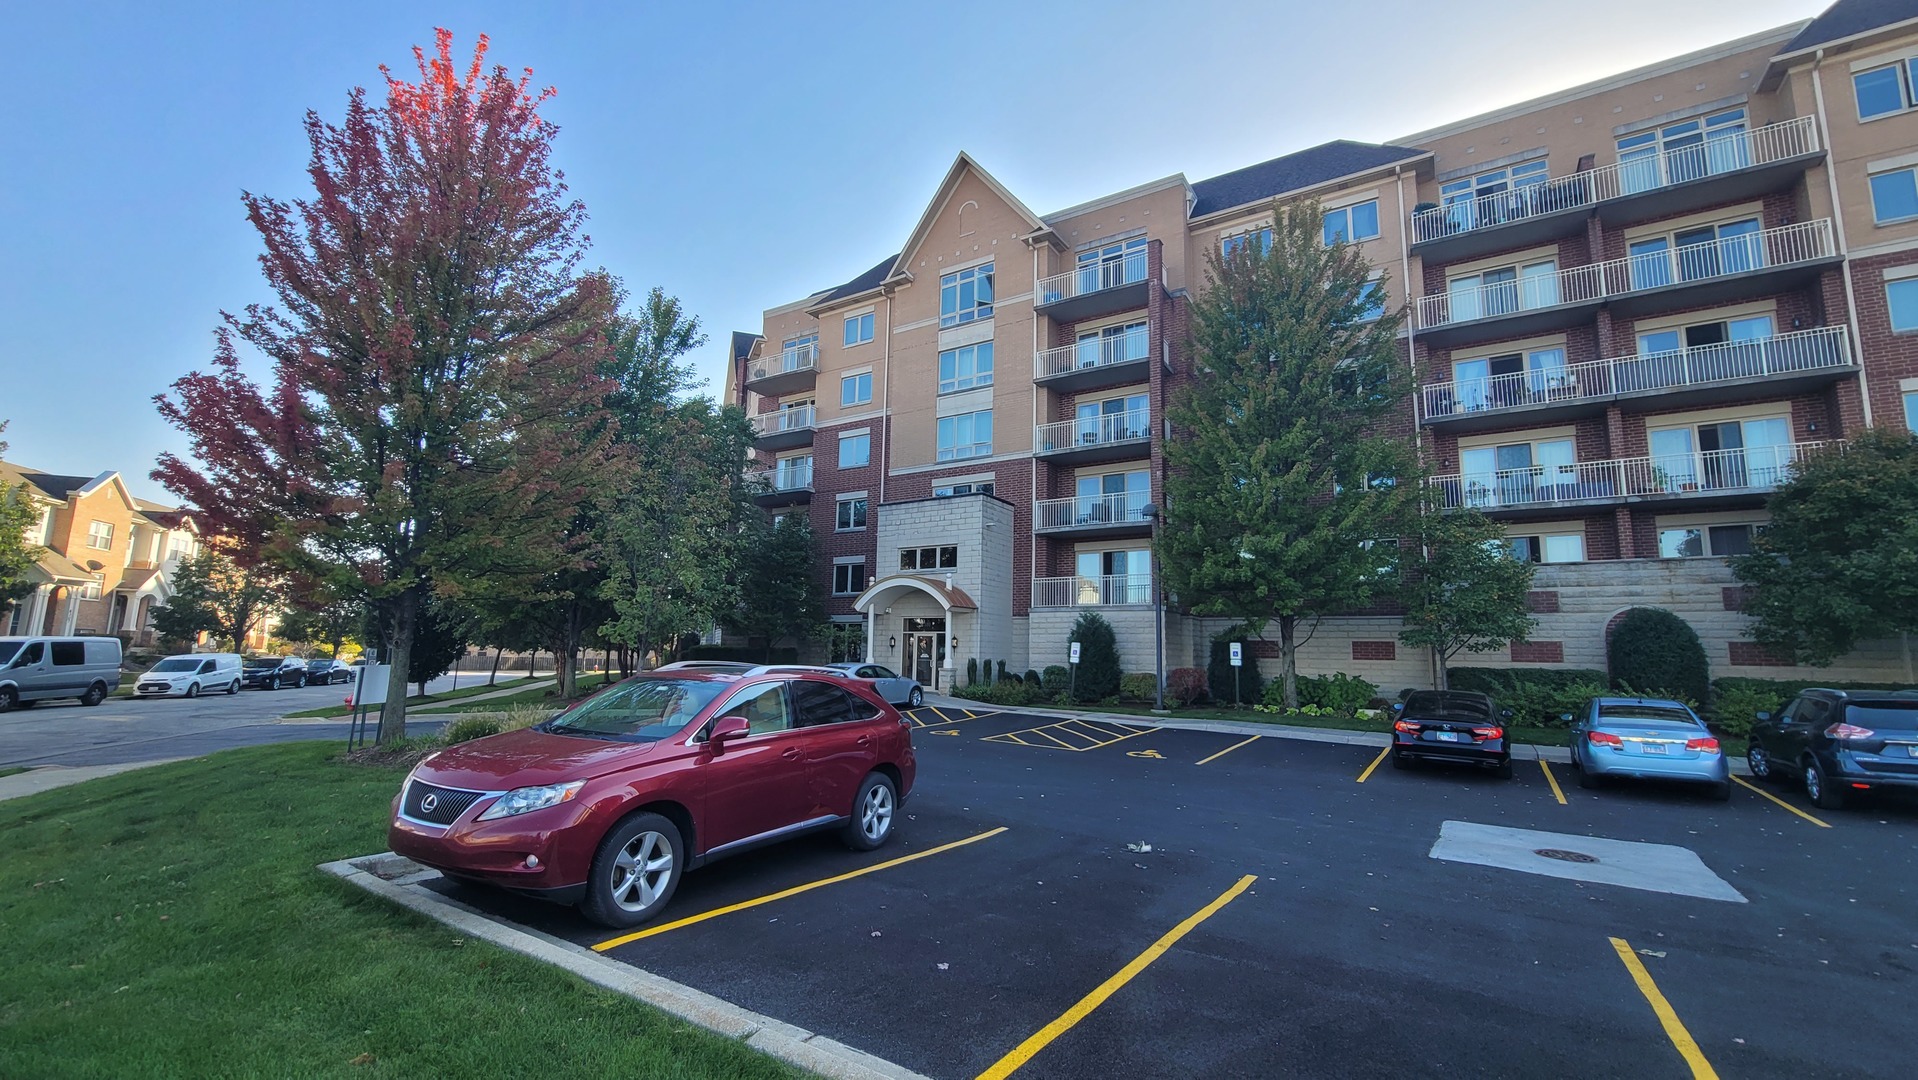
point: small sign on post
(1075, 653)
(1238, 661)
(1072, 678)
(369, 691)
(1238, 654)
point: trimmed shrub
(1339, 692)
(1500, 681)
(1009, 692)
(1536, 696)
(1655, 653)
(1003, 676)
(1056, 678)
(1141, 686)
(1219, 669)
(1098, 657)
(469, 728)
(972, 671)
(1185, 686)
(1032, 678)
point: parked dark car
(273, 672)
(327, 672)
(1456, 726)
(608, 803)
(1839, 743)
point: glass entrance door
(925, 654)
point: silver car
(1647, 738)
(896, 689)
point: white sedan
(897, 689)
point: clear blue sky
(738, 155)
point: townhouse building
(1631, 306)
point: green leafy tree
(779, 590)
(1839, 562)
(323, 619)
(1283, 467)
(214, 594)
(1462, 590)
(1099, 672)
(441, 639)
(17, 556)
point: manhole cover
(1565, 856)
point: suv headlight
(528, 799)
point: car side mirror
(1761, 716)
(1505, 714)
(1398, 706)
(1565, 717)
(726, 729)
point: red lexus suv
(608, 803)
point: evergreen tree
(17, 556)
(1099, 671)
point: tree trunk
(1444, 676)
(494, 677)
(1289, 660)
(406, 616)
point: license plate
(1447, 736)
(1653, 748)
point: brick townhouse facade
(1631, 307)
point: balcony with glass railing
(1092, 440)
(783, 372)
(1731, 267)
(1701, 476)
(784, 429)
(1704, 374)
(1094, 288)
(1081, 592)
(1094, 516)
(785, 484)
(1658, 183)
(1095, 362)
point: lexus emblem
(429, 804)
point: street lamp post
(1152, 514)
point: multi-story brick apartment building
(1631, 307)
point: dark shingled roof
(1269, 179)
(54, 485)
(743, 344)
(1848, 17)
(868, 280)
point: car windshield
(263, 662)
(640, 710)
(1884, 715)
(1647, 714)
(7, 649)
(1447, 703)
(177, 663)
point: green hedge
(1251, 686)
(741, 654)
(1655, 653)
(1536, 696)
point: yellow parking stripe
(1024, 1052)
(1552, 780)
(1375, 764)
(1093, 735)
(1229, 749)
(1781, 802)
(1674, 1030)
(794, 891)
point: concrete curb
(395, 878)
(39, 778)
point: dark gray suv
(273, 672)
(1839, 743)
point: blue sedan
(1647, 739)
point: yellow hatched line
(1122, 738)
(1668, 1019)
(1064, 745)
(1229, 749)
(1781, 802)
(794, 891)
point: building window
(975, 488)
(1502, 291)
(1374, 298)
(928, 558)
(858, 329)
(1894, 196)
(1884, 90)
(1901, 301)
(1352, 223)
(851, 514)
(1558, 548)
(100, 535)
(1665, 343)
(1686, 150)
(1111, 265)
(963, 369)
(855, 389)
(967, 435)
(1495, 382)
(793, 473)
(1911, 412)
(1489, 198)
(800, 352)
(855, 451)
(91, 590)
(1693, 254)
(1519, 473)
(965, 296)
(849, 578)
(1260, 239)
(1700, 540)
(1709, 457)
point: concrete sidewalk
(48, 777)
(442, 706)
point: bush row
(1735, 698)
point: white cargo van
(191, 675)
(36, 669)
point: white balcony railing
(1107, 429)
(1094, 352)
(794, 477)
(1091, 511)
(801, 358)
(783, 420)
(1093, 277)
(1762, 249)
(1753, 468)
(1060, 592)
(1817, 349)
(1720, 154)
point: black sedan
(327, 672)
(1455, 726)
(273, 672)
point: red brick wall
(1538, 652)
(1888, 357)
(1752, 654)
(1375, 650)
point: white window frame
(1910, 176)
(1545, 538)
(1911, 411)
(1233, 241)
(858, 329)
(1344, 214)
(1903, 285)
(936, 563)
(973, 381)
(1704, 531)
(96, 530)
(964, 441)
(854, 378)
(955, 282)
(852, 439)
(850, 512)
(1905, 71)
(94, 587)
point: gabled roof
(960, 166)
(1301, 169)
(863, 283)
(743, 344)
(1849, 18)
(45, 485)
(61, 570)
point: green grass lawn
(170, 922)
(12, 770)
(447, 695)
(1519, 733)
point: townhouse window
(1884, 90)
(965, 368)
(100, 535)
(1911, 411)
(849, 514)
(929, 558)
(1712, 457)
(858, 329)
(1901, 302)
(855, 389)
(1502, 291)
(1692, 254)
(1686, 150)
(1691, 542)
(1894, 196)
(1260, 239)
(966, 435)
(1518, 378)
(1490, 198)
(855, 451)
(965, 296)
(91, 590)
(947, 491)
(1111, 265)
(1351, 224)
(798, 353)
(849, 578)
(1547, 548)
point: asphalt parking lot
(1293, 917)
